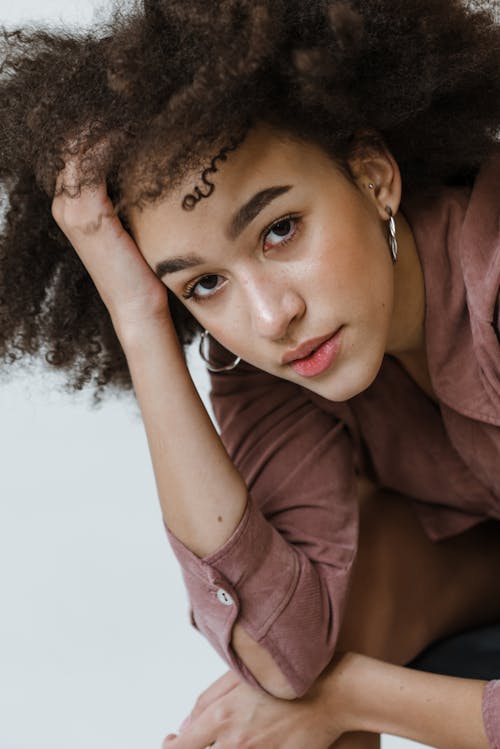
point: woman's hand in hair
(231, 713)
(127, 285)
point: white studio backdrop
(96, 649)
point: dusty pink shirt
(285, 570)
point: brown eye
(204, 288)
(282, 228)
(281, 232)
(208, 282)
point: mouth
(315, 356)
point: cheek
(356, 269)
(229, 328)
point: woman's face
(286, 255)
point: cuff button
(224, 597)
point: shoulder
(480, 244)
(457, 232)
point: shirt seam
(278, 610)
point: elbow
(261, 665)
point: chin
(346, 381)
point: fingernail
(184, 723)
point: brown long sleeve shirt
(285, 570)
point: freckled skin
(335, 270)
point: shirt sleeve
(491, 713)
(284, 572)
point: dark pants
(474, 654)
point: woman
(317, 189)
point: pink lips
(320, 359)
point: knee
(381, 619)
(407, 591)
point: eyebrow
(252, 208)
(244, 216)
(175, 264)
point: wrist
(338, 694)
(363, 687)
(351, 685)
(136, 332)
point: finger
(200, 734)
(166, 741)
(108, 252)
(93, 228)
(86, 215)
(81, 205)
(215, 691)
(80, 211)
(70, 179)
(185, 723)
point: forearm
(202, 495)
(440, 711)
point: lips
(305, 349)
(320, 358)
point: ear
(371, 162)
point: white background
(96, 649)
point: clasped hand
(231, 713)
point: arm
(355, 693)
(276, 559)
(272, 583)
(290, 564)
(202, 495)
(441, 711)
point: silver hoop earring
(204, 336)
(393, 244)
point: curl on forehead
(207, 185)
(195, 179)
(151, 175)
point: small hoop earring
(370, 185)
(204, 336)
(393, 243)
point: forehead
(264, 159)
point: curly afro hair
(169, 81)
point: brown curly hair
(171, 81)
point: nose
(274, 305)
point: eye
(205, 287)
(281, 231)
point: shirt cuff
(491, 713)
(251, 577)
